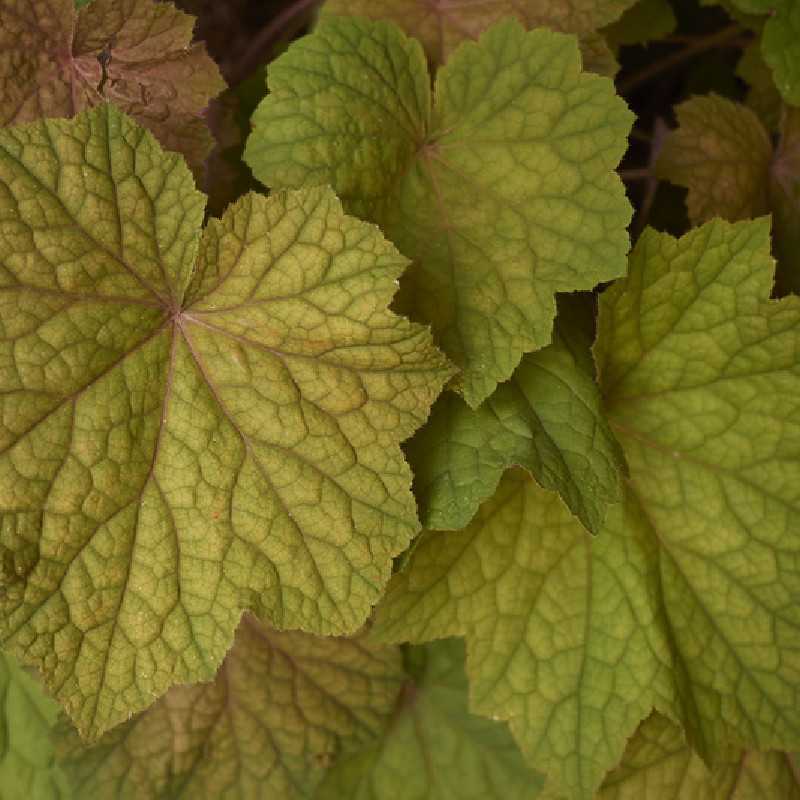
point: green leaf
(546, 418)
(762, 95)
(658, 764)
(780, 42)
(194, 423)
(503, 192)
(686, 599)
(27, 716)
(137, 54)
(644, 22)
(721, 152)
(562, 630)
(283, 707)
(701, 381)
(433, 748)
(441, 28)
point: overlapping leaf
(27, 761)
(643, 22)
(502, 192)
(724, 155)
(56, 60)
(192, 424)
(659, 764)
(686, 599)
(546, 418)
(721, 152)
(283, 708)
(442, 27)
(434, 749)
(564, 632)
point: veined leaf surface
(687, 598)
(281, 710)
(57, 60)
(501, 188)
(193, 422)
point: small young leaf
(27, 760)
(433, 748)
(503, 191)
(134, 53)
(282, 709)
(192, 424)
(546, 418)
(721, 152)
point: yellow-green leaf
(433, 748)
(193, 422)
(501, 189)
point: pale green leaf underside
(433, 748)
(176, 449)
(501, 190)
(27, 716)
(701, 378)
(283, 707)
(659, 765)
(546, 418)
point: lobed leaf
(724, 155)
(564, 632)
(56, 60)
(721, 153)
(442, 28)
(502, 190)
(283, 707)
(686, 600)
(546, 418)
(193, 423)
(433, 748)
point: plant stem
(262, 42)
(724, 37)
(635, 174)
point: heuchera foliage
(427, 469)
